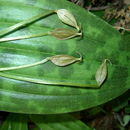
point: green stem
(23, 37)
(48, 82)
(24, 66)
(25, 23)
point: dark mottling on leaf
(101, 55)
(62, 48)
(120, 72)
(66, 72)
(114, 57)
(45, 49)
(23, 87)
(45, 68)
(40, 72)
(124, 45)
(128, 58)
(89, 47)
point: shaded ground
(116, 12)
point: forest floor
(116, 12)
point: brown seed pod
(63, 34)
(64, 60)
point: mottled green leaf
(100, 41)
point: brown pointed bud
(63, 34)
(66, 17)
(101, 73)
(64, 60)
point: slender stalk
(48, 82)
(118, 28)
(25, 23)
(24, 66)
(23, 37)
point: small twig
(121, 28)
(23, 37)
(97, 8)
(101, 7)
(25, 66)
(25, 23)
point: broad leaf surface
(100, 41)
(58, 122)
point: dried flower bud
(66, 17)
(101, 73)
(63, 34)
(64, 60)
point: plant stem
(42, 81)
(118, 28)
(25, 66)
(25, 23)
(47, 82)
(23, 37)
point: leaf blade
(57, 99)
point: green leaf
(58, 122)
(15, 122)
(126, 119)
(100, 41)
